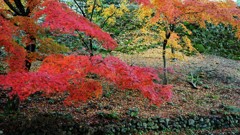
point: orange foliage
(195, 11)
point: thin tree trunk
(169, 30)
(165, 79)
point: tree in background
(104, 13)
(172, 14)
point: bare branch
(83, 13)
(20, 6)
(15, 10)
(94, 6)
(105, 21)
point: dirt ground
(218, 84)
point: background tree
(104, 13)
(172, 14)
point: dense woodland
(119, 67)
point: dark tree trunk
(91, 47)
(30, 48)
(165, 80)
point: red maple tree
(59, 73)
(70, 74)
(20, 20)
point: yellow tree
(173, 13)
(104, 13)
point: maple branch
(83, 13)
(9, 4)
(20, 6)
(28, 10)
(91, 46)
(82, 39)
(5, 15)
(94, 5)
(102, 25)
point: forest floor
(217, 82)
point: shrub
(219, 40)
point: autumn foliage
(77, 77)
(72, 74)
(168, 15)
(174, 12)
(65, 20)
(23, 23)
(80, 78)
(18, 54)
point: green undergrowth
(110, 123)
(132, 49)
(218, 40)
(3, 65)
